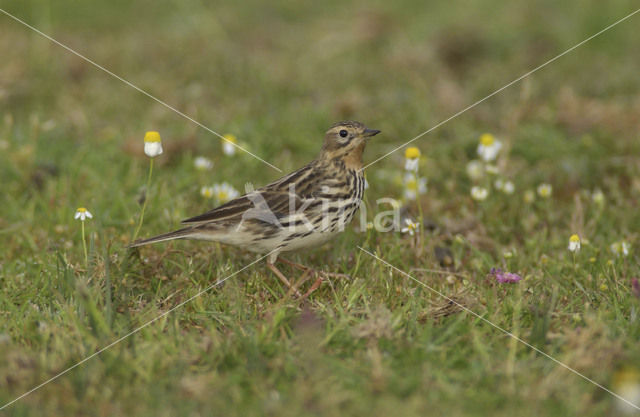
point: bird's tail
(177, 234)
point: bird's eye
(343, 133)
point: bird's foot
(284, 279)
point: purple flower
(504, 277)
(635, 287)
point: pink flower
(635, 287)
(504, 277)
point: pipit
(301, 210)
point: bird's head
(347, 140)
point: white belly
(313, 240)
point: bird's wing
(263, 205)
(305, 182)
(288, 193)
(227, 211)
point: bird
(301, 210)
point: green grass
(277, 75)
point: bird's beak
(370, 132)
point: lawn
(421, 328)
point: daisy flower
(206, 192)
(620, 248)
(598, 197)
(508, 187)
(414, 186)
(152, 148)
(224, 192)
(410, 226)
(574, 243)
(228, 144)
(545, 190)
(475, 169)
(412, 156)
(488, 147)
(82, 214)
(626, 383)
(152, 144)
(479, 193)
(203, 164)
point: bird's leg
(303, 278)
(320, 276)
(282, 278)
(313, 287)
(294, 264)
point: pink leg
(284, 279)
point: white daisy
(475, 169)
(545, 190)
(229, 144)
(598, 197)
(479, 193)
(489, 147)
(620, 248)
(203, 164)
(82, 214)
(152, 144)
(508, 187)
(224, 192)
(410, 226)
(414, 186)
(412, 160)
(206, 192)
(574, 243)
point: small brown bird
(301, 210)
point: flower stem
(84, 246)
(146, 198)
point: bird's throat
(353, 158)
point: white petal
(152, 149)
(228, 148)
(411, 164)
(203, 163)
(475, 169)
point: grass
(277, 75)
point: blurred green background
(276, 75)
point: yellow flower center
(81, 210)
(574, 238)
(487, 139)
(230, 137)
(152, 136)
(412, 153)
